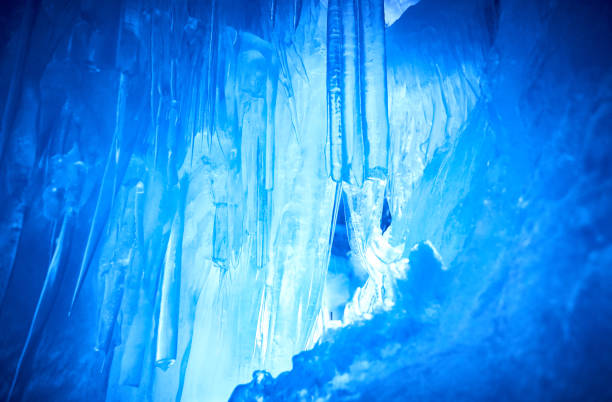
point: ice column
(335, 71)
(374, 86)
(358, 125)
(358, 140)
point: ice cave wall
(166, 193)
(500, 124)
(167, 206)
(179, 151)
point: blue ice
(270, 200)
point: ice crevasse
(305, 200)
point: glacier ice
(316, 199)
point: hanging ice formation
(358, 137)
(357, 91)
(493, 276)
(188, 169)
(192, 193)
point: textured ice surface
(182, 147)
(193, 192)
(499, 115)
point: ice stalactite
(111, 176)
(48, 293)
(483, 263)
(357, 91)
(359, 132)
(352, 97)
(210, 92)
(335, 72)
(123, 145)
(373, 87)
(261, 88)
(224, 104)
(134, 358)
(118, 256)
(139, 331)
(297, 12)
(168, 323)
(191, 168)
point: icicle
(266, 224)
(115, 260)
(265, 185)
(211, 81)
(260, 136)
(113, 294)
(273, 12)
(263, 211)
(99, 220)
(297, 13)
(120, 121)
(112, 175)
(269, 149)
(374, 86)
(191, 128)
(48, 294)
(153, 104)
(156, 87)
(167, 330)
(358, 127)
(271, 88)
(141, 334)
(138, 338)
(353, 136)
(156, 144)
(139, 351)
(335, 71)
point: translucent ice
(332, 199)
(486, 280)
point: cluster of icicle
(138, 223)
(358, 138)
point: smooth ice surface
(332, 199)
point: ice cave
(305, 200)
